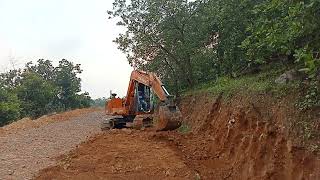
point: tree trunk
(175, 77)
(189, 74)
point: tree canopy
(39, 89)
(190, 42)
(9, 107)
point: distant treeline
(100, 102)
(193, 42)
(39, 89)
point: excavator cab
(144, 99)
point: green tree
(36, 95)
(68, 82)
(185, 42)
(9, 107)
(229, 20)
(39, 89)
(43, 68)
(83, 100)
(11, 79)
(285, 30)
(163, 36)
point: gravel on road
(25, 153)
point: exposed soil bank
(247, 138)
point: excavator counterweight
(138, 110)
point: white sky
(77, 30)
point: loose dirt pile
(27, 123)
(121, 154)
(31, 148)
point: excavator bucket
(168, 118)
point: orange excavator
(138, 108)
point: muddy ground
(122, 154)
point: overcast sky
(77, 30)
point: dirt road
(28, 150)
(121, 154)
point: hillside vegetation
(203, 42)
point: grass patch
(258, 83)
(184, 128)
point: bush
(37, 95)
(9, 107)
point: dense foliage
(36, 95)
(40, 89)
(189, 42)
(9, 107)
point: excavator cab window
(144, 98)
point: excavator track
(118, 122)
(112, 122)
(141, 121)
(166, 119)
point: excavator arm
(147, 79)
(151, 80)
